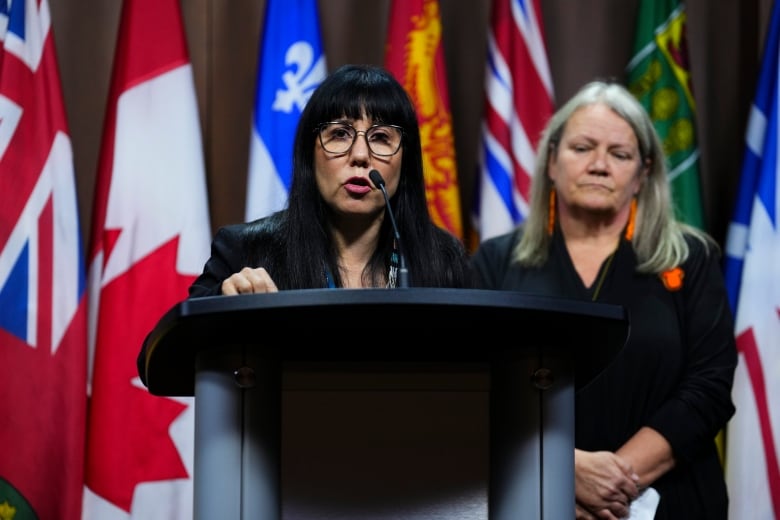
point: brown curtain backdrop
(585, 39)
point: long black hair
(434, 257)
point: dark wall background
(585, 39)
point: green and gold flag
(659, 76)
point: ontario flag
(414, 54)
(150, 238)
(518, 104)
(659, 76)
(43, 343)
(291, 65)
(753, 282)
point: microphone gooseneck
(403, 272)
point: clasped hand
(605, 485)
(249, 281)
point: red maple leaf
(128, 438)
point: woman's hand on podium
(249, 281)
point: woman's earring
(631, 220)
(551, 213)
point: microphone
(403, 272)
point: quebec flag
(291, 65)
(753, 281)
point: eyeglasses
(338, 137)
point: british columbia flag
(518, 102)
(42, 279)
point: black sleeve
(227, 257)
(227, 254)
(702, 404)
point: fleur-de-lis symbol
(301, 79)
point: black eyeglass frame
(319, 127)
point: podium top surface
(395, 325)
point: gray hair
(659, 238)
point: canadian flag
(150, 239)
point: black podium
(536, 350)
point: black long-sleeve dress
(674, 374)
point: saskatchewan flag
(659, 76)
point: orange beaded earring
(551, 213)
(631, 220)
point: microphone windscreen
(376, 178)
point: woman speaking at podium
(357, 215)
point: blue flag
(291, 65)
(752, 271)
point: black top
(261, 243)
(674, 374)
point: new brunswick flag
(415, 55)
(659, 76)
